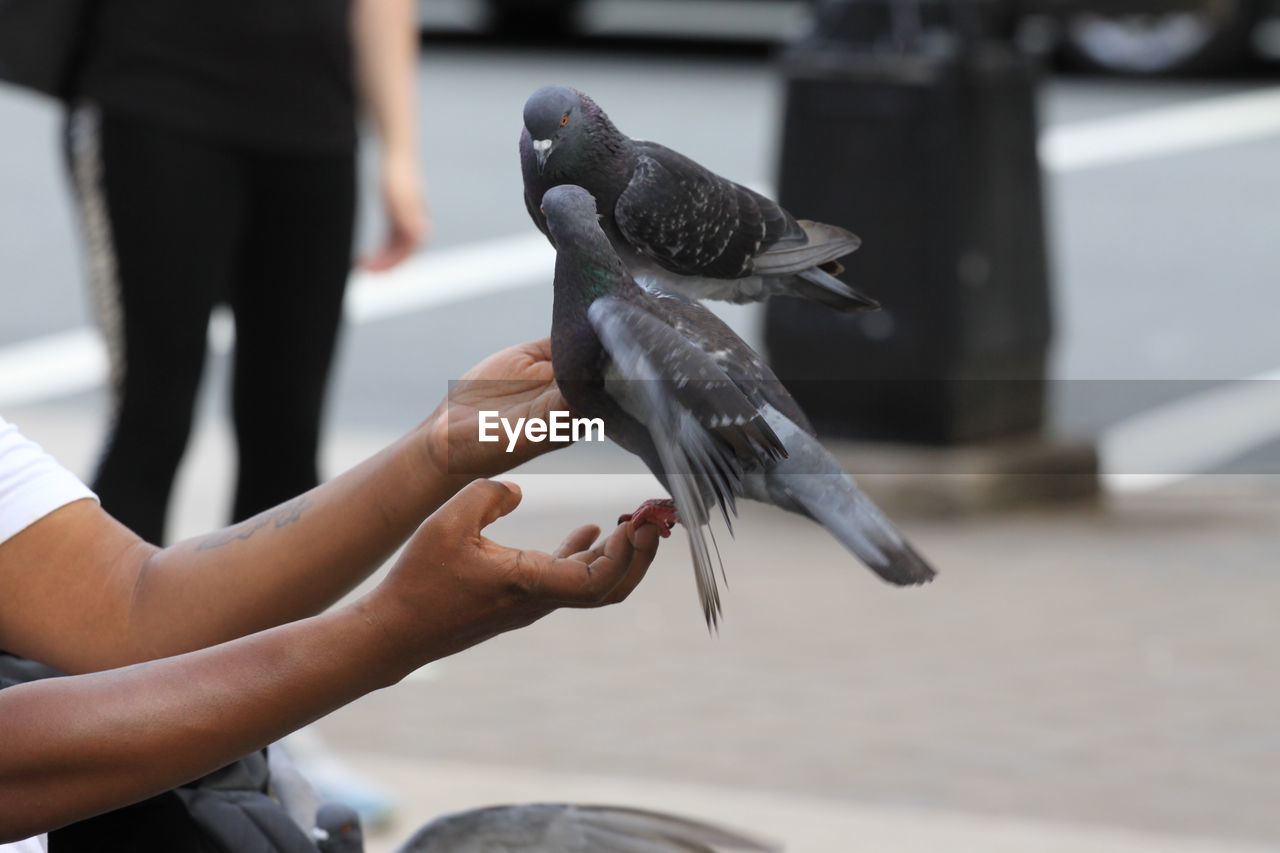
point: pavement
(1097, 679)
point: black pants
(174, 226)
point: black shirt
(273, 74)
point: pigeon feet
(661, 512)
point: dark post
(913, 124)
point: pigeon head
(564, 126)
(581, 244)
(570, 210)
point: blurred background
(1087, 674)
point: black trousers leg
(162, 214)
(287, 301)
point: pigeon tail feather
(825, 289)
(830, 496)
(823, 233)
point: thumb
(481, 503)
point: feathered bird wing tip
(826, 243)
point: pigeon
(338, 829)
(675, 386)
(566, 828)
(677, 225)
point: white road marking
(1171, 443)
(75, 361)
(1172, 438)
(1161, 132)
(52, 366)
(454, 274)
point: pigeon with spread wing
(675, 386)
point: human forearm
(386, 43)
(73, 747)
(82, 593)
(385, 37)
(76, 746)
(139, 603)
(287, 563)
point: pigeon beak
(542, 150)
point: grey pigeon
(338, 829)
(565, 828)
(675, 386)
(677, 225)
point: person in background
(186, 658)
(212, 147)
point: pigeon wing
(824, 243)
(691, 221)
(733, 355)
(704, 429)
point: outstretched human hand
(517, 383)
(452, 588)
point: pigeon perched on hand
(675, 386)
(677, 225)
(564, 828)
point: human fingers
(644, 543)
(479, 504)
(603, 575)
(577, 541)
(539, 350)
(392, 252)
(639, 550)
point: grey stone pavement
(1098, 678)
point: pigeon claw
(661, 512)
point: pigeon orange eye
(564, 119)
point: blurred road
(1081, 681)
(1163, 262)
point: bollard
(913, 124)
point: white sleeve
(32, 484)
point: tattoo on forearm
(281, 516)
